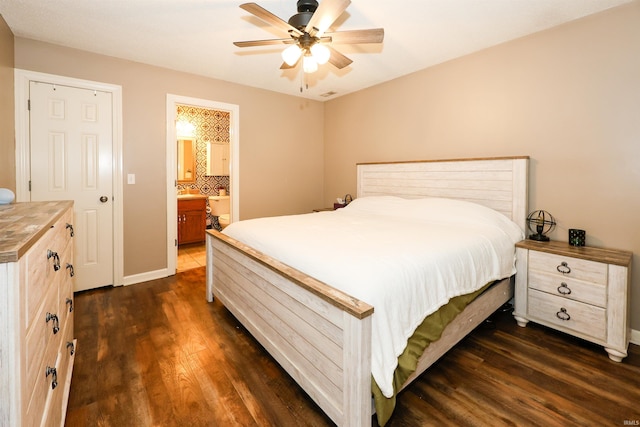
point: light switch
(131, 178)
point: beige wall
(281, 142)
(7, 110)
(568, 97)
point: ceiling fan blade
(269, 18)
(337, 59)
(286, 66)
(326, 13)
(374, 35)
(270, 42)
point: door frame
(172, 173)
(23, 171)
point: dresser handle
(72, 347)
(563, 268)
(56, 322)
(563, 289)
(54, 379)
(56, 259)
(69, 302)
(563, 315)
(70, 228)
(71, 271)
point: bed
(322, 336)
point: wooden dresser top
(609, 256)
(22, 224)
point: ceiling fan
(308, 37)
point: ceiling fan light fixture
(320, 53)
(291, 55)
(305, 30)
(309, 64)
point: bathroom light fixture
(185, 129)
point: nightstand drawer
(588, 271)
(565, 287)
(567, 314)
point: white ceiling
(196, 36)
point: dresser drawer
(41, 343)
(43, 391)
(65, 293)
(583, 318)
(587, 292)
(41, 261)
(40, 277)
(588, 271)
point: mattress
(405, 257)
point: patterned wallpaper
(210, 125)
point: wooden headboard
(500, 183)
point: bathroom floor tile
(191, 256)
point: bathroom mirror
(186, 160)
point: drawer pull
(564, 289)
(71, 271)
(54, 379)
(69, 302)
(564, 268)
(56, 259)
(56, 322)
(71, 348)
(563, 315)
(70, 228)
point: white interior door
(71, 149)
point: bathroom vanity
(192, 218)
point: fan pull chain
(301, 78)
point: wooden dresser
(37, 345)
(582, 291)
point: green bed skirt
(429, 331)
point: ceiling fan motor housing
(307, 5)
(306, 8)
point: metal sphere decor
(540, 223)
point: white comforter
(405, 257)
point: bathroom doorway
(207, 123)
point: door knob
(104, 199)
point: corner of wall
(7, 108)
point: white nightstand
(582, 291)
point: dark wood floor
(157, 354)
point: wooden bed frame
(322, 336)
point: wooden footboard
(319, 335)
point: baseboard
(635, 337)
(145, 277)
